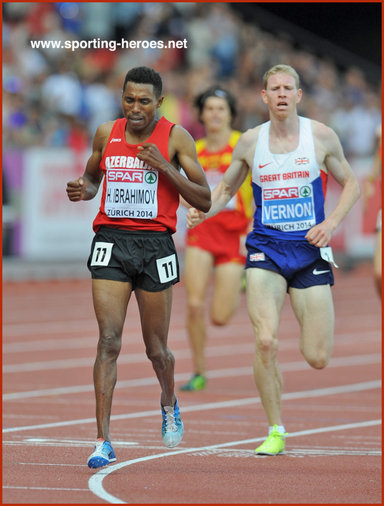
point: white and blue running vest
(289, 188)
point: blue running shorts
(298, 262)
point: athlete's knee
(266, 348)
(161, 357)
(318, 362)
(219, 319)
(317, 359)
(109, 344)
(196, 309)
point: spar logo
(131, 176)
(125, 176)
(281, 193)
(150, 177)
(305, 191)
(292, 192)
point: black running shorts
(148, 260)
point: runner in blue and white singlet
(289, 192)
(288, 249)
(289, 189)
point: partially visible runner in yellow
(217, 245)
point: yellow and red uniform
(220, 235)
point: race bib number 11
(166, 268)
(101, 253)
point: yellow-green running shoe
(197, 382)
(273, 445)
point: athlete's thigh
(155, 313)
(266, 293)
(226, 291)
(110, 301)
(313, 307)
(198, 265)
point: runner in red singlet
(217, 244)
(139, 158)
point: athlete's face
(139, 104)
(216, 114)
(281, 94)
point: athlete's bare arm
(86, 186)
(331, 156)
(234, 176)
(374, 173)
(182, 151)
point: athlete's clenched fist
(76, 190)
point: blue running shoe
(172, 428)
(102, 455)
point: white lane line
(67, 443)
(356, 387)
(354, 360)
(48, 488)
(95, 483)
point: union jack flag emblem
(301, 161)
(256, 257)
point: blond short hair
(286, 69)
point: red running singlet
(136, 196)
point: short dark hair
(145, 75)
(216, 91)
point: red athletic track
(333, 416)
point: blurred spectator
(225, 31)
(101, 101)
(62, 91)
(125, 17)
(356, 121)
(77, 138)
(97, 20)
(71, 15)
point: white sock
(280, 428)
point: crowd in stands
(58, 97)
